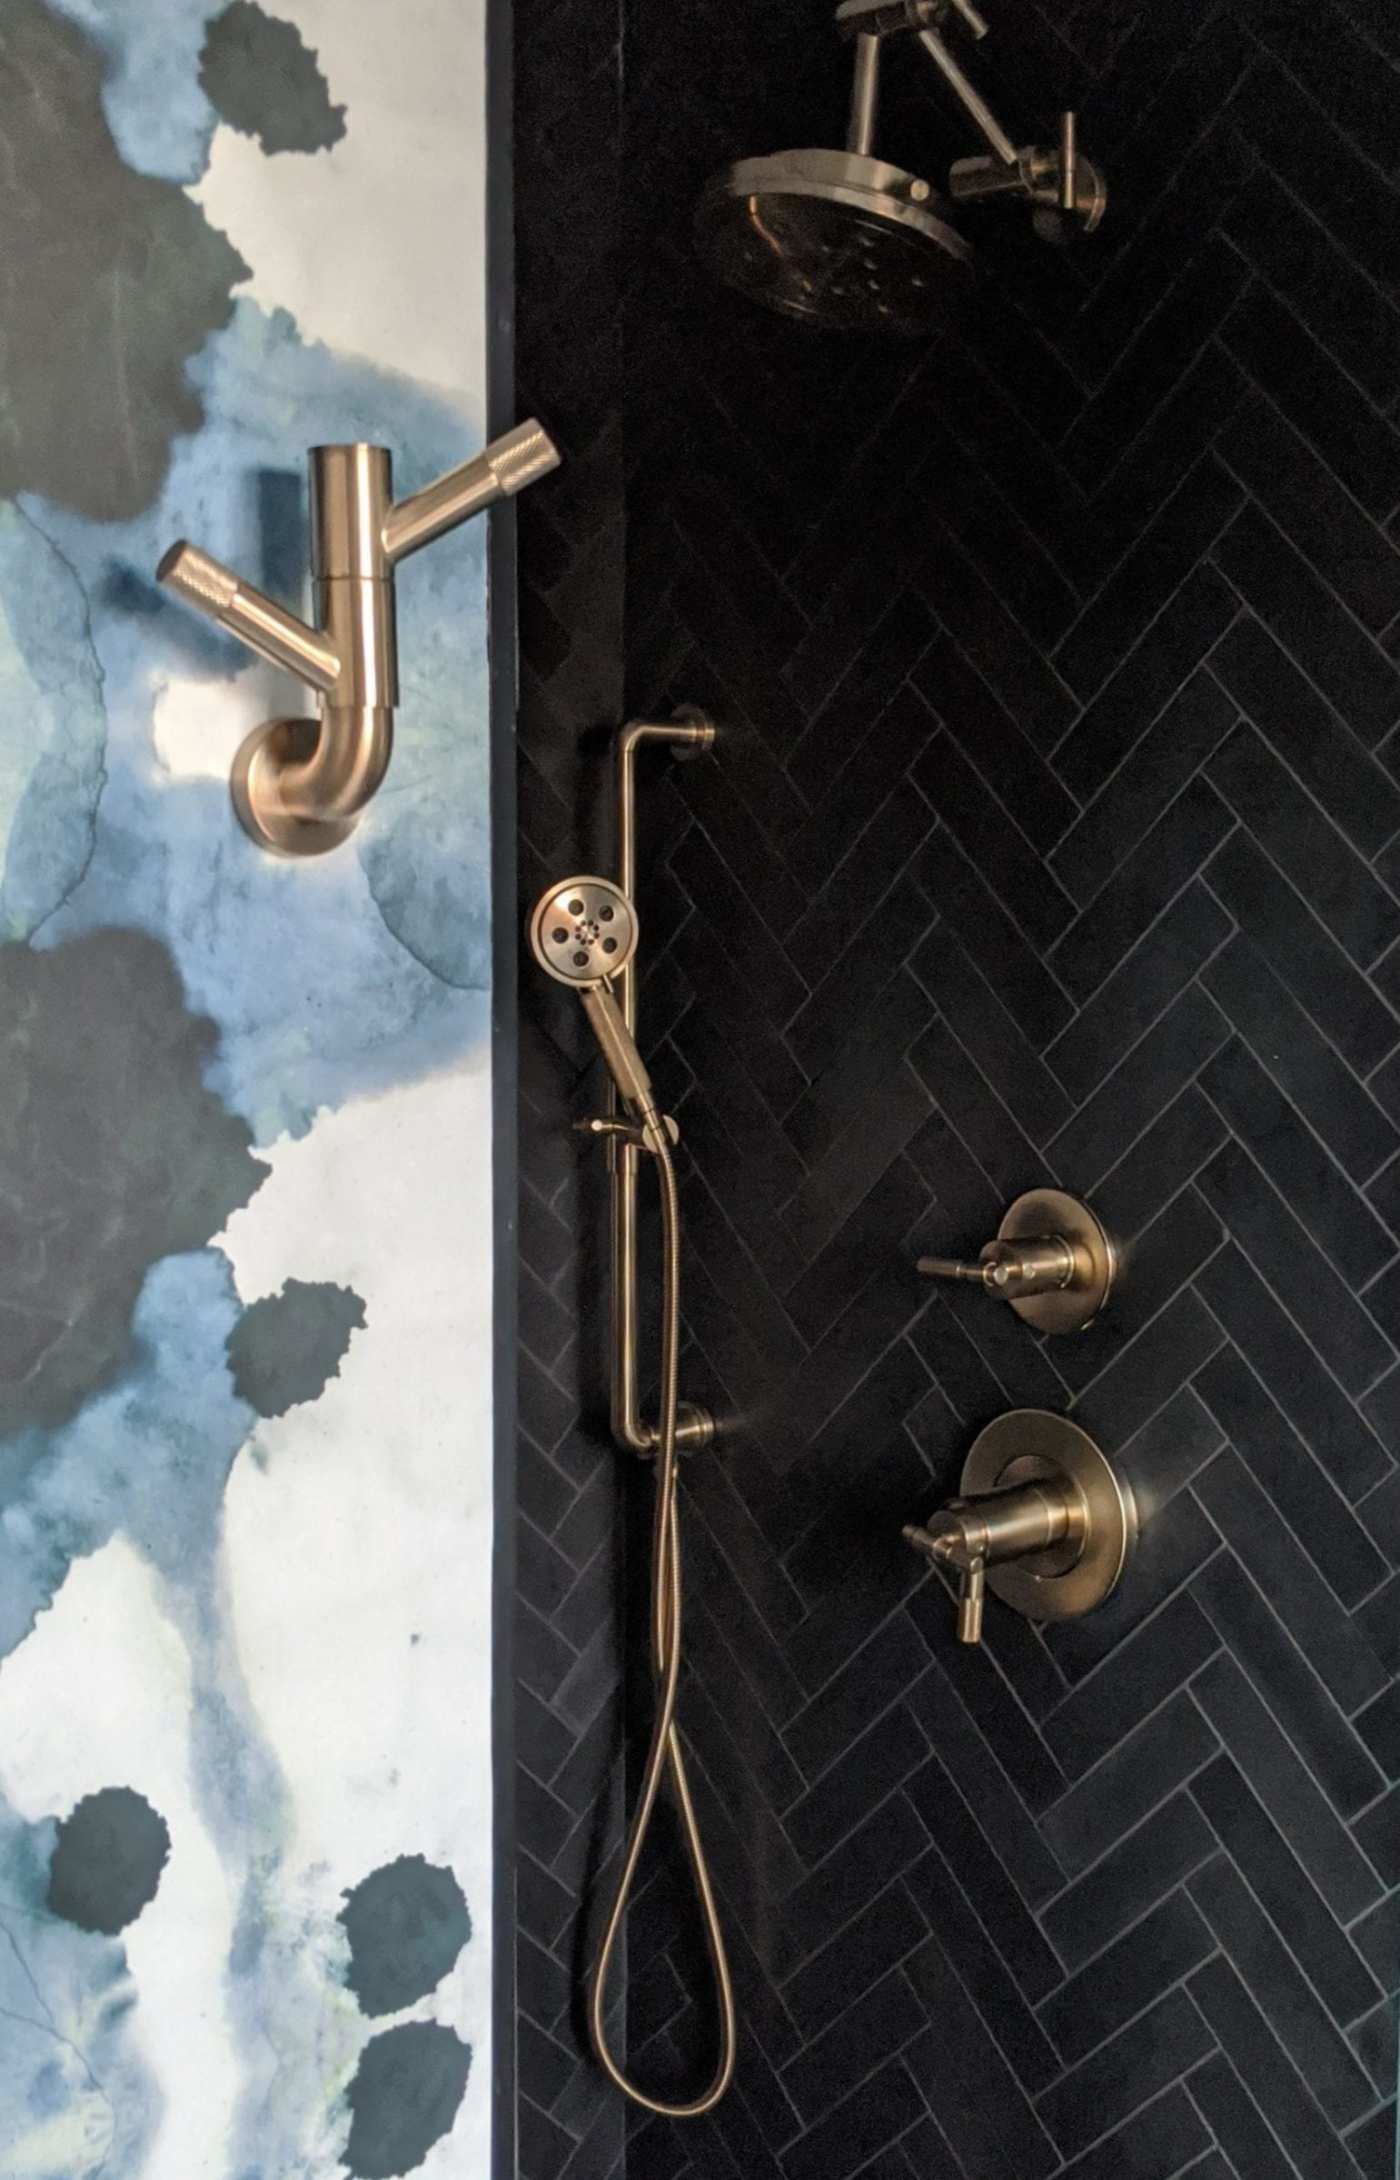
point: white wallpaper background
(245, 1123)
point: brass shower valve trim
(1053, 1261)
(300, 785)
(1043, 1520)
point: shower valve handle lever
(951, 1548)
(1007, 1268)
(1051, 1260)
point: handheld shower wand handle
(625, 1063)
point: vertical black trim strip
(504, 690)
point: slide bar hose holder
(299, 785)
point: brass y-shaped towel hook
(299, 785)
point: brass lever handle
(1052, 1261)
(972, 1575)
(1035, 1267)
(1044, 1522)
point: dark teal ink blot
(286, 1348)
(106, 1865)
(406, 1924)
(256, 71)
(120, 280)
(114, 1153)
(404, 2098)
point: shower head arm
(971, 99)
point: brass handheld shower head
(583, 932)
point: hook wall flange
(264, 759)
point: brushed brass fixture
(584, 932)
(1044, 1521)
(844, 239)
(299, 785)
(688, 735)
(1052, 1260)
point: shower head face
(583, 931)
(835, 239)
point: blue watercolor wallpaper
(245, 1303)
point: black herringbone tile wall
(1055, 834)
(571, 1517)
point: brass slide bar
(689, 734)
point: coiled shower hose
(664, 1754)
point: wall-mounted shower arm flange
(299, 785)
(1056, 181)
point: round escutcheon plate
(1047, 1211)
(1030, 1445)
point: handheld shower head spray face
(582, 933)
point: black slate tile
(1268, 1968)
(1317, 398)
(1321, 1198)
(993, 940)
(1331, 1428)
(965, 1849)
(1275, 2087)
(1341, 891)
(1137, 1383)
(1150, 976)
(982, 2108)
(1147, 2056)
(1350, 551)
(1126, 1690)
(994, 1991)
(990, 1035)
(989, 838)
(860, 1954)
(877, 2027)
(1327, 289)
(1149, 779)
(1159, 563)
(1285, 1788)
(1162, 2139)
(1022, 677)
(1129, 1782)
(1150, 1075)
(1378, 1835)
(1279, 1248)
(1159, 1162)
(868, 1769)
(1288, 1687)
(1236, 2122)
(993, 1803)
(1152, 675)
(1165, 341)
(1333, 648)
(1126, 1977)
(1308, 1069)
(1145, 882)
(990, 739)
(1174, 1841)
(846, 2139)
(1305, 959)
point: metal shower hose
(664, 1752)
